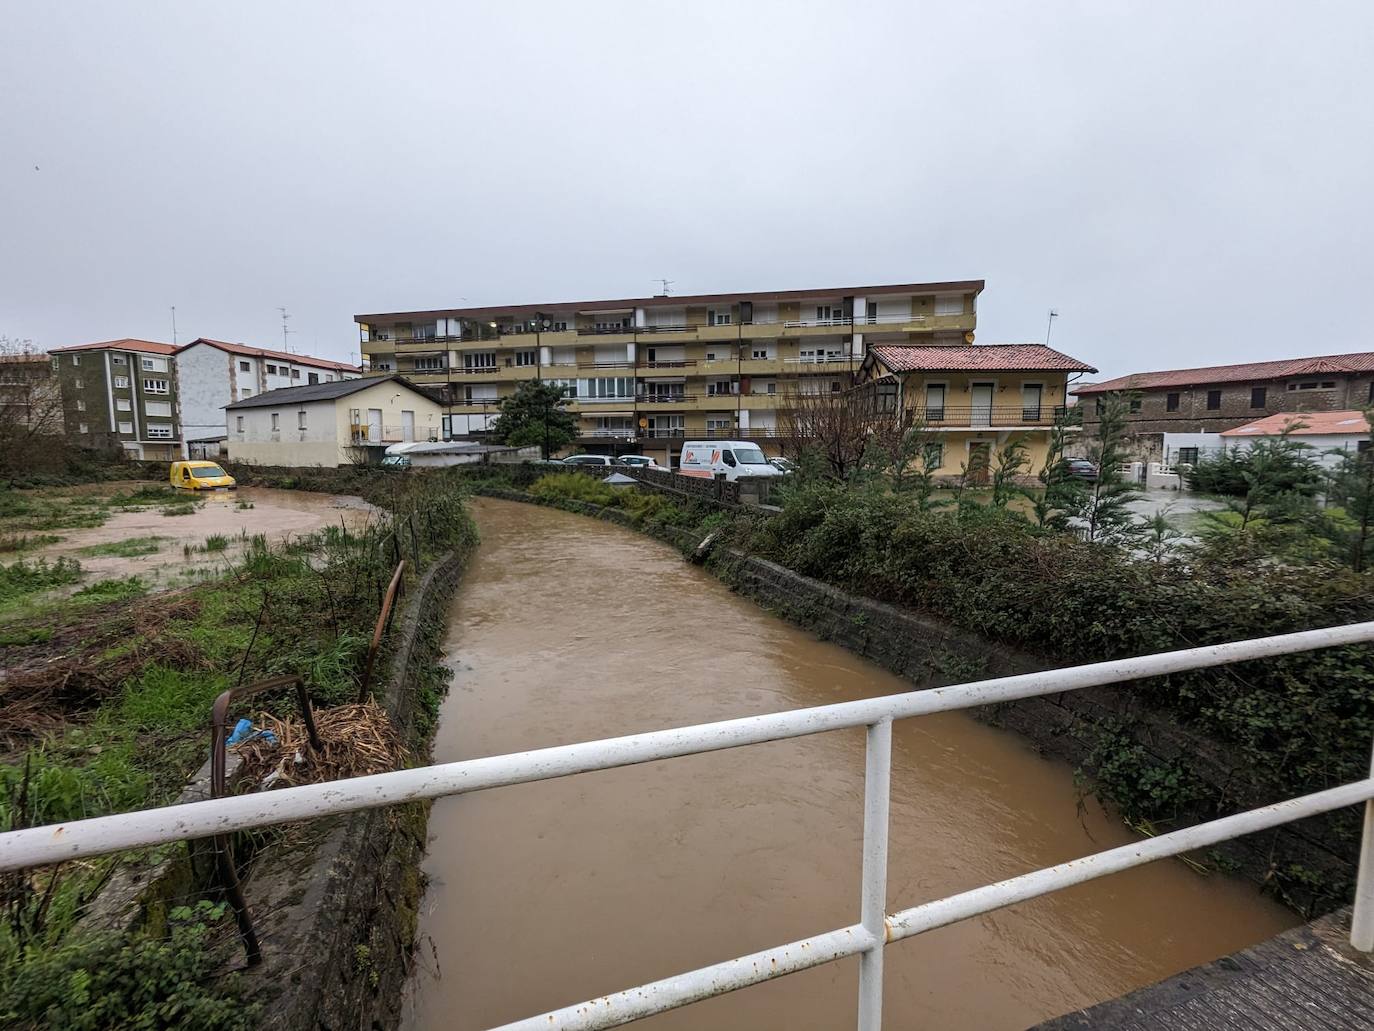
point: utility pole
(1049, 325)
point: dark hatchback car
(1082, 469)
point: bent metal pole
(38, 846)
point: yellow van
(200, 476)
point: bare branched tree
(30, 404)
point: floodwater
(541, 895)
(279, 514)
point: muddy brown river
(567, 629)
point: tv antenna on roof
(174, 325)
(1049, 325)
(284, 316)
(666, 284)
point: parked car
(734, 458)
(1082, 469)
(785, 464)
(590, 460)
(396, 462)
(642, 461)
(200, 476)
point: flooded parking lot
(568, 629)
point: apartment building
(30, 401)
(121, 393)
(1216, 398)
(972, 400)
(645, 373)
(212, 374)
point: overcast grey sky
(1187, 183)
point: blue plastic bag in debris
(242, 729)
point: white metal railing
(819, 359)
(875, 928)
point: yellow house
(330, 424)
(975, 398)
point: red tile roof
(1324, 365)
(1327, 424)
(977, 358)
(679, 300)
(262, 352)
(125, 344)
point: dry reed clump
(43, 691)
(356, 740)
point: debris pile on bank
(356, 740)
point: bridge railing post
(1362, 916)
(873, 902)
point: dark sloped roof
(322, 392)
(122, 344)
(1322, 365)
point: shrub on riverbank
(1301, 723)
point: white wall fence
(874, 929)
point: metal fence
(875, 928)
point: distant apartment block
(645, 373)
(1222, 397)
(30, 400)
(214, 374)
(121, 393)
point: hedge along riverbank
(943, 600)
(1171, 750)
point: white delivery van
(734, 458)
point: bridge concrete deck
(1306, 978)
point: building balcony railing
(665, 399)
(681, 363)
(605, 432)
(820, 359)
(980, 416)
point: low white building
(214, 373)
(329, 424)
(1327, 434)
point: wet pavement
(541, 895)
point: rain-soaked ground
(568, 629)
(175, 543)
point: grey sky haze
(1187, 183)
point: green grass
(170, 700)
(13, 542)
(116, 589)
(24, 636)
(183, 508)
(131, 547)
(20, 578)
(216, 542)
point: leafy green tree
(1104, 506)
(537, 413)
(1060, 492)
(1351, 486)
(1013, 459)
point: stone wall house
(1223, 397)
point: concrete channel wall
(336, 906)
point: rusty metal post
(223, 844)
(383, 625)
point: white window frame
(239, 424)
(121, 382)
(276, 421)
(155, 386)
(158, 430)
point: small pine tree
(1104, 506)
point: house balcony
(987, 417)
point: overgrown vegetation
(104, 709)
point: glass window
(245, 367)
(81, 427)
(155, 386)
(76, 359)
(239, 424)
(276, 421)
(1257, 397)
(1171, 402)
(750, 455)
(300, 419)
(117, 359)
(1213, 400)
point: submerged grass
(131, 547)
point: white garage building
(330, 424)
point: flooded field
(541, 895)
(165, 549)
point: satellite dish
(968, 337)
(547, 323)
